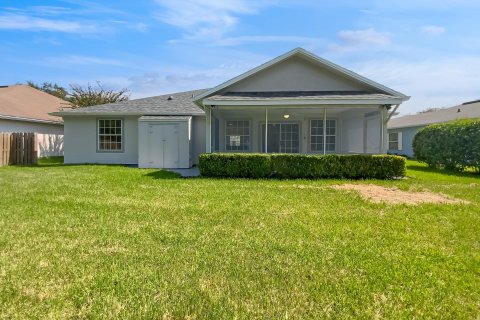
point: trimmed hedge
(452, 145)
(293, 166)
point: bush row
(453, 145)
(292, 166)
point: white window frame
(249, 135)
(398, 141)
(99, 143)
(321, 135)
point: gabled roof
(312, 57)
(168, 104)
(24, 103)
(463, 111)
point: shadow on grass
(443, 171)
(163, 175)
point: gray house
(295, 103)
(402, 130)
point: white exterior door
(163, 142)
(372, 135)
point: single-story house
(295, 103)
(26, 109)
(402, 130)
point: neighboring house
(402, 130)
(295, 103)
(26, 109)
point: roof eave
(295, 102)
(25, 119)
(64, 114)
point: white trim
(114, 114)
(316, 59)
(15, 118)
(293, 102)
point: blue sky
(427, 49)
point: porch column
(325, 130)
(208, 120)
(266, 130)
(382, 129)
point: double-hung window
(110, 134)
(237, 135)
(316, 135)
(395, 141)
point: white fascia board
(293, 103)
(114, 114)
(313, 57)
(15, 118)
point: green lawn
(116, 242)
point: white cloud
(364, 37)
(355, 40)
(24, 22)
(430, 83)
(433, 30)
(206, 19)
(235, 41)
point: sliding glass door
(281, 138)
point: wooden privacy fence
(18, 148)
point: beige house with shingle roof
(26, 109)
(295, 103)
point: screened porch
(309, 130)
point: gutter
(25, 119)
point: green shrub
(452, 145)
(235, 165)
(293, 166)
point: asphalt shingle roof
(300, 95)
(180, 103)
(463, 111)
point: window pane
(237, 135)
(109, 134)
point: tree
(82, 96)
(85, 96)
(50, 88)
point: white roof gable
(300, 52)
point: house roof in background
(24, 103)
(463, 111)
(315, 59)
(180, 103)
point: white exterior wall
(296, 74)
(24, 126)
(81, 141)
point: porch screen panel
(282, 138)
(316, 135)
(237, 136)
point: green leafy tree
(50, 88)
(85, 96)
(82, 96)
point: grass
(97, 241)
